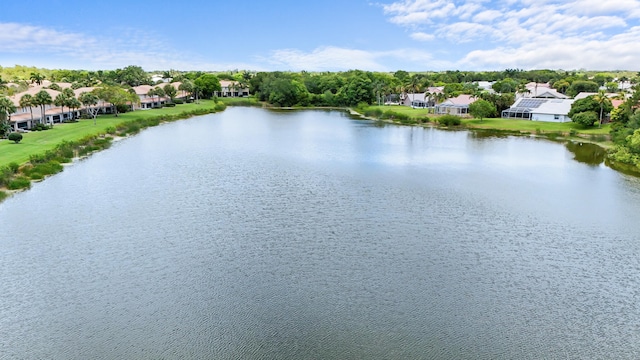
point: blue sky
(329, 35)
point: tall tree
(603, 101)
(133, 76)
(42, 99)
(152, 93)
(414, 86)
(37, 78)
(90, 100)
(6, 109)
(61, 100)
(208, 84)
(187, 87)
(73, 104)
(170, 91)
(27, 101)
(117, 96)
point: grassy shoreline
(42, 153)
(403, 115)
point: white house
(456, 106)
(536, 109)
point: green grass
(534, 126)
(38, 142)
(504, 124)
(240, 101)
(406, 110)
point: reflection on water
(490, 133)
(587, 153)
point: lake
(256, 234)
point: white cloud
(420, 36)
(49, 47)
(16, 37)
(487, 16)
(595, 7)
(330, 58)
(526, 33)
(323, 59)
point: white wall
(549, 117)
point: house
(416, 101)
(419, 100)
(27, 117)
(584, 95)
(455, 106)
(231, 89)
(540, 91)
(485, 85)
(147, 101)
(539, 109)
(553, 110)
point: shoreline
(65, 153)
(552, 135)
(130, 127)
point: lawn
(37, 142)
(534, 126)
(503, 124)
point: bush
(170, 105)
(586, 118)
(449, 120)
(3, 195)
(14, 167)
(40, 127)
(5, 176)
(15, 137)
(219, 107)
(110, 130)
(178, 101)
(38, 171)
(20, 182)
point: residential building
(539, 109)
(455, 106)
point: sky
(329, 35)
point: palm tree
(37, 78)
(73, 104)
(61, 100)
(413, 86)
(42, 99)
(232, 87)
(602, 100)
(152, 93)
(378, 87)
(440, 98)
(241, 86)
(427, 98)
(160, 94)
(186, 87)
(6, 109)
(27, 101)
(170, 91)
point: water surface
(302, 235)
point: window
(556, 117)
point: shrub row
(449, 120)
